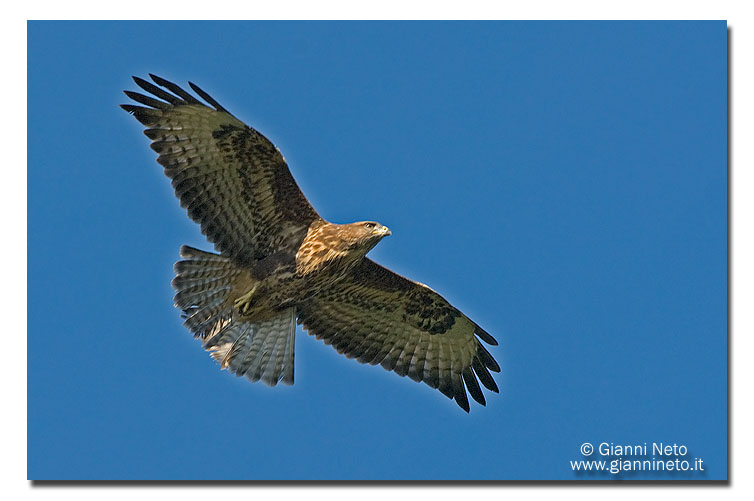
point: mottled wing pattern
(229, 177)
(379, 317)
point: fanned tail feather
(202, 283)
(261, 350)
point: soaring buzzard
(280, 262)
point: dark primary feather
(379, 317)
(473, 386)
(484, 336)
(484, 375)
(208, 98)
(175, 89)
(229, 177)
(490, 362)
(141, 98)
(145, 116)
(158, 92)
(459, 393)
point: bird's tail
(262, 350)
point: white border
(13, 203)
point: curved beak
(386, 231)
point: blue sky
(564, 184)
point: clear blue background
(564, 184)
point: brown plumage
(280, 262)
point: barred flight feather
(236, 185)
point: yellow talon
(243, 302)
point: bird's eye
(369, 225)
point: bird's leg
(243, 303)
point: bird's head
(363, 235)
(373, 229)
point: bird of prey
(280, 263)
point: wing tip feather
(473, 386)
(179, 96)
(207, 97)
(485, 336)
(175, 89)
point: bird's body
(284, 279)
(280, 262)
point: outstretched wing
(229, 177)
(380, 317)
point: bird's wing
(230, 178)
(379, 317)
